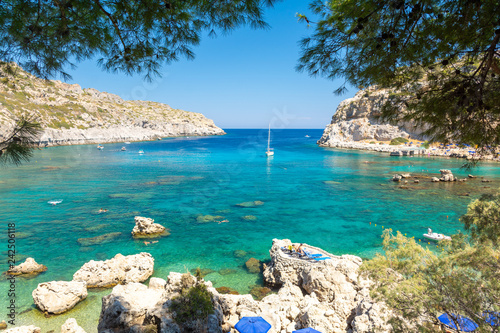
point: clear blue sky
(246, 79)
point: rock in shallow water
(59, 296)
(71, 326)
(119, 270)
(145, 227)
(102, 239)
(30, 266)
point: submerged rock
(208, 218)
(249, 218)
(30, 266)
(227, 290)
(248, 204)
(253, 265)
(259, 292)
(203, 271)
(119, 270)
(240, 253)
(226, 271)
(145, 228)
(59, 296)
(102, 239)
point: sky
(246, 79)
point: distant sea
(328, 198)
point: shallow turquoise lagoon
(324, 197)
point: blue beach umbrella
(252, 325)
(492, 318)
(466, 324)
(307, 330)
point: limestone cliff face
(355, 120)
(72, 115)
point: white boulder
(59, 296)
(71, 326)
(30, 266)
(145, 227)
(119, 270)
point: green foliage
(398, 141)
(127, 36)
(18, 146)
(194, 304)
(426, 145)
(439, 57)
(419, 283)
(483, 219)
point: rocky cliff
(72, 115)
(356, 120)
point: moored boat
(434, 236)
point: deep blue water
(324, 197)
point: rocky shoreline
(403, 150)
(328, 295)
(69, 114)
(356, 125)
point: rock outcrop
(145, 227)
(326, 295)
(134, 307)
(72, 115)
(23, 329)
(119, 270)
(59, 296)
(447, 176)
(71, 326)
(29, 267)
(356, 120)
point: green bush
(398, 141)
(194, 304)
(426, 145)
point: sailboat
(269, 151)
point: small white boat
(127, 143)
(54, 202)
(100, 147)
(269, 151)
(308, 136)
(123, 148)
(141, 151)
(434, 236)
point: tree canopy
(45, 36)
(442, 56)
(462, 276)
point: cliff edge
(72, 115)
(356, 120)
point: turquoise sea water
(324, 197)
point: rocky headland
(356, 120)
(72, 115)
(355, 125)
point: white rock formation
(134, 306)
(356, 120)
(30, 266)
(71, 326)
(23, 329)
(119, 270)
(326, 295)
(59, 296)
(447, 176)
(146, 227)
